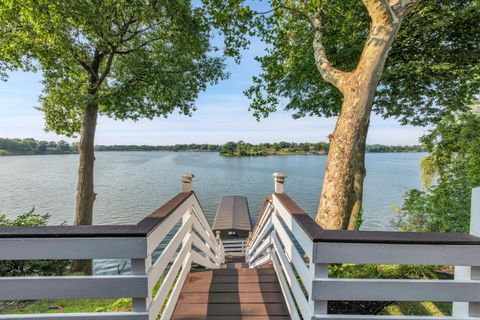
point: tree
(121, 59)
(329, 58)
(449, 172)
(228, 148)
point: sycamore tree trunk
(338, 194)
(359, 176)
(85, 190)
(342, 192)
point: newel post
(279, 178)
(187, 182)
(472, 309)
(475, 217)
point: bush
(16, 268)
(450, 171)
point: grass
(374, 271)
(68, 306)
(79, 305)
(437, 309)
(399, 272)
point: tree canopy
(133, 58)
(433, 67)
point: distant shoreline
(194, 151)
(29, 146)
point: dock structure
(233, 218)
(233, 224)
(283, 273)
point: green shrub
(16, 268)
(450, 171)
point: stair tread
(242, 271)
(231, 309)
(230, 297)
(208, 278)
(234, 292)
(193, 317)
(231, 287)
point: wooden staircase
(233, 292)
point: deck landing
(233, 292)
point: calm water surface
(130, 185)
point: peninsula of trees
(29, 146)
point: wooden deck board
(231, 297)
(233, 293)
(232, 309)
(205, 278)
(231, 317)
(233, 272)
(232, 287)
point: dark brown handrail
(317, 234)
(142, 229)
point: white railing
(234, 246)
(154, 286)
(301, 253)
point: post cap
(187, 176)
(187, 181)
(279, 175)
(279, 181)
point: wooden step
(231, 309)
(246, 278)
(240, 259)
(235, 293)
(239, 272)
(231, 287)
(230, 297)
(233, 265)
(231, 317)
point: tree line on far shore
(30, 146)
(242, 148)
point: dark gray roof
(233, 213)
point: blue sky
(222, 116)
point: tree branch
(299, 13)
(327, 70)
(380, 11)
(402, 7)
(108, 66)
(138, 47)
(82, 63)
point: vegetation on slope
(450, 171)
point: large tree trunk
(338, 193)
(85, 191)
(343, 182)
(359, 176)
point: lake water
(130, 185)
